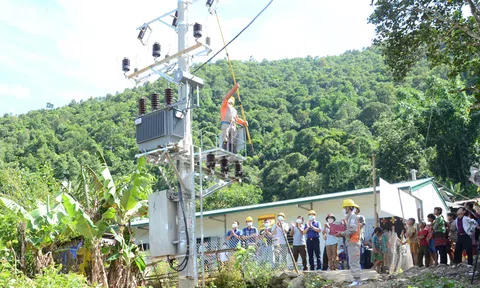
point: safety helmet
(249, 219)
(281, 214)
(312, 212)
(231, 100)
(356, 206)
(331, 216)
(348, 203)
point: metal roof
(410, 185)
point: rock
(286, 283)
(297, 282)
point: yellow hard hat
(312, 212)
(231, 100)
(249, 219)
(348, 203)
(281, 214)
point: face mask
(249, 224)
(280, 218)
(234, 225)
(299, 221)
(311, 217)
(344, 211)
(265, 225)
(330, 220)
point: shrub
(51, 278)
(228, 277)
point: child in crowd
(342, 257)
(378, 251)
(423, 251)
(431, 246)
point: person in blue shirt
(313, 240)
(233, 236)
(249, 233)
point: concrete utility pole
(375, 211)
(187, 277)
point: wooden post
(375, 211)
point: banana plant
(46, 225)
(113, 204)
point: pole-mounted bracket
(216, 187)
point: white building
(419, 196)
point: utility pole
(188, 276)
(172, 225)
(375, 211)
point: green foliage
(228, 277)
(51, 277)
(235, 195)
(429, 280)
(312, 280)
(254, 275)
(314, 123)
(445, 32)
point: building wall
(216, 229)
(430, 199)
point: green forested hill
(314, 122)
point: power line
(265, 8)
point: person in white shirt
(331, 243)
(280, 240)
(465, 229)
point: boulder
(297, 282)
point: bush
(163, 275)
(50, 278)
(429, 280)
(228, 277)
(243, 271)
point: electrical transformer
(159, 129)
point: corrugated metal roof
(401, 185)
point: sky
(56, 51)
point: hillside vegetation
(315, 123)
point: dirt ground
(458, 276)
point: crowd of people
(343, 240)
(422, 244)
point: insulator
(174, 22)
(209, 3)
(211, 161)
(197, 30)
(142, 106)
(168, 96)
(142, 33)
(238, 169)
(126, 64)
(207, 41)
(224, 165)
(156, 50)
(155, 101)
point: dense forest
(315, 123)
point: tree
(443, 31)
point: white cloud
(17, 91)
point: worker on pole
(352, 239)
(230, 119)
